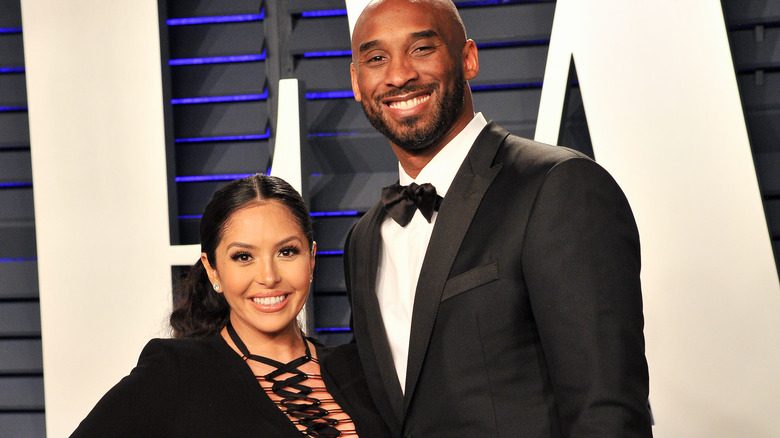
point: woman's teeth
(269, 301)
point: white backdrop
(664, 116)
(94, 93)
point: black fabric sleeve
(584, 287)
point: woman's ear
(210, 271)
(313, 254)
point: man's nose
(401, 71)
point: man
(515, 310)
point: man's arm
(582, 264)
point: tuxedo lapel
(455, 216)
(367, 257)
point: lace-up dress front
(298, 389)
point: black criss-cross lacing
(296, 398)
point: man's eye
(423, 50)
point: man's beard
(409, 139)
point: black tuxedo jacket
(528, 317)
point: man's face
(407, 73)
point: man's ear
(470, 60)
(353, 76)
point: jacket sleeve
(348, 278)
(141, 402)
(584, 287)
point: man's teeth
(406, 104)
(269, 301)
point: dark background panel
(511, 65)
(21, 365)
(22, 425)
(336, 115)
(11, 54)
(195, 195)
(17, 239)
(10, 14)
(12, 89)
(331, 232)
(225, 79)
(19, 282)
(319, 34)
(523, 21)
(209, 8)
(325, 73)
(217, 158)
(342, 192)
(17, 206)
(220, 119)
(15, 166)
(335, 154)
(223, 39)
(14, 129)
(756, 47)
(20, 319)
(331, 310)
(21, 356)
(754, 36)
(21, 393)
(751, 12)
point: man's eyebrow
(367, 45)
(429, 33)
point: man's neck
(413, 162)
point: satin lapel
(455, 216)
(368, 258)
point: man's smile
(408, 103)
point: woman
(240, 365)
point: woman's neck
(282, 347)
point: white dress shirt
(403, 248)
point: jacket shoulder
(530, 153)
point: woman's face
(264, 267)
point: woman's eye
(241, 257)
(289, 251)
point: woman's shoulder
(184, 350)
(182, 344)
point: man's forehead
(404, 19)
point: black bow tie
(401, 201)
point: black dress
(202, 388)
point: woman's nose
(267, 273)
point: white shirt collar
(441, 170)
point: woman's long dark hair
(201, 311)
